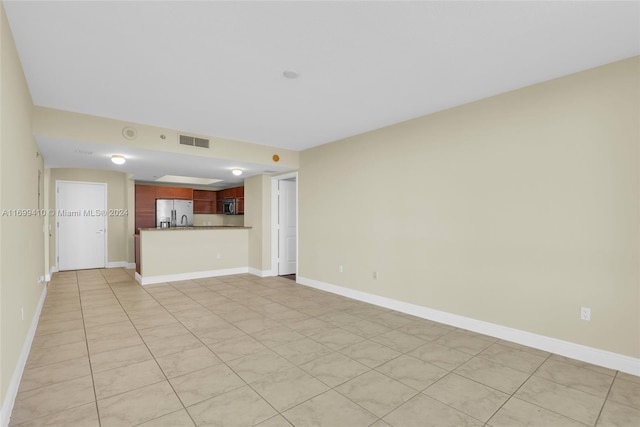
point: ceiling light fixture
(118, 159)
(290, 74)
(237, 172)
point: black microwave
(229, 206)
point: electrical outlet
(218, 256)
(585, 313)
(340, 269)
(374, 276)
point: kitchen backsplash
(215, 219)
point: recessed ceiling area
(216, 68)
(146, 165)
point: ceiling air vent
(193, 141)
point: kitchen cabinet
(231, 193)
(204, 202)
(145, 199)
(228, 193)
(174, 193)
(240, 200)
(145, 212)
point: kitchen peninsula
(183, 253)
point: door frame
(274, 221)
(106, 219)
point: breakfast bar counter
(184, 253)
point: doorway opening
(284, 225)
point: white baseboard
(47, 277)
(261, 273)
(12, 391)
(150, 280)
(114, 264)
(121, 264)
(620, 362)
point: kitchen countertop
(200, 227)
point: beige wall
(168, 252)
(257, 193)
(21, 238)
(516, 210)
(120, 229)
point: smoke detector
(129, 133)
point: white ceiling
(215, 68)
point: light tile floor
(243, 351)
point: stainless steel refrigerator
(174, 213)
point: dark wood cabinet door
(203, 207)
(145, 212)
(145, 198)
(228, 193)
(204, 195)
(239, 205)
(145, 220)
(204, 202)
(174, 193)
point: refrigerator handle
(173, 218)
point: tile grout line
(206, 346)
(513, 395)
(49, 364)
(293, 367)
(246, 384)
(297, 300)
(86, 341)
(574, 389)
(370, 369)
(615, 376)
(150, 352)
(535, 404)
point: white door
(287, 231)
(81, 222)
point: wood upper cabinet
(174, 193)
(204, 195)
(227, 193)
(239, 200)
(145, 197)
(204, 202)
(231, 193)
